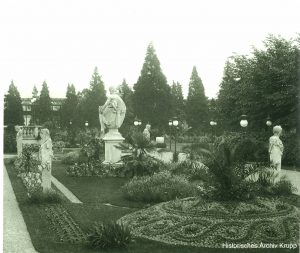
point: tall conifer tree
(44, 105)
(13, 112)
(197, 104)
(152, 97)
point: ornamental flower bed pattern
(192, 221)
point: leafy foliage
(137, 161)
(283, 187)
(109, 235)
(28, 161)
(159, 187)
(264, 83)
(94, 168)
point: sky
(61, 41)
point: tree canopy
(263, 84)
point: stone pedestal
(112, 139)
(46, 180)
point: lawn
(94, 193)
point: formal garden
(146, 170)
(223, 192)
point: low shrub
(49, 197)
(140, 167)
(58, 146)
(109, 235)
(159, 187)
(161, 145)
(94, 168)
(70, 158)
(193, 170)
(266, 177)
(193, 139)
(283, 187)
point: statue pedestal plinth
(112, 139)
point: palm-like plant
(227, 168)
(137, 155)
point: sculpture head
(18, 128)
(45, 134)
(148, 127)
(277, 130)
(112, 90)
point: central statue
(112, 113)
(111, 117)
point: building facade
(28, 109)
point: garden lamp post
(175, 123)
(86, 125)
(137, 122)
(244, 122)
(269, 122)
(170, 128)
(212, 124)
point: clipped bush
(283, 187)
(146, 166)
(159, 187)
(49, 197)
(109, 235)
(70, 158)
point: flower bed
(192, 221)
(32, 181)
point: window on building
(27, 119)
(26, 108)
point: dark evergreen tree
(126, 94)
(152, 97)
(35, 92)
(178, 108)
(197, 104)
(68, 109)
(90, 100)
(13, 112)
(43, 105)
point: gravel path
(16, 238)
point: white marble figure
(276, 148)
(112, 113)
(46, 155)
(19, 138)
(146, 132)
